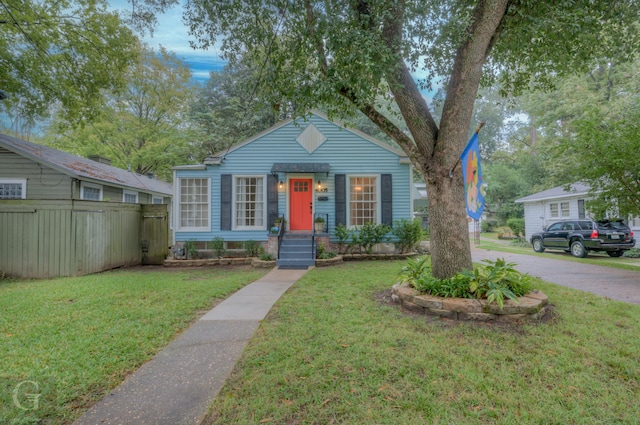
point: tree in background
(347, 55)
(61, 53)
(228, 109)
(589, 129)
(144, 128)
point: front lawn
(73, 339)
(331, 352)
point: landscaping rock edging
(209, 262)
(531, 307)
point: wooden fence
(43, 239)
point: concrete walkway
(177, 386)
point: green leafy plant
(497, 280)
(342, 233)
(370, 234)
(217, 244)
(264, 256)
(517, 226)
(414, 270)
(190, 249)
(494, 281)
(319, 220)
(488, 225)
(409, 233)
(252, 248)
(632, 253)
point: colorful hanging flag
(472, 175)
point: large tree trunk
(435, 152)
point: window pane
(10, 190)
(91, 193)
(130, 198)
(249, 202)
(194, 203)
(362, 200)
(564, 209)
(553, 208)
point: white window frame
(565, 212)
(92, 186)
(264, 202)
(378, 197)
(126, 192)
(157, 198)
(179, 204)
(21, 182)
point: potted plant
(319, 224)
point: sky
(172, 34)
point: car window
(555, 226)
(585, 225)
(568, 226)
(612, 225)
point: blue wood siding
(346, 152)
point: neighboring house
(544, 208)
(299, 169)
(420, 204)
(63, 215)
(32, 171)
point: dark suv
(581, 236)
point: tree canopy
(346, 55)
(60, 53)
(144, 127)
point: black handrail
(281, 230)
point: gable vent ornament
(311, 138)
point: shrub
(342, 233)
(251, 248)
(370, 234)
(409, 233)
(516, 225)
(217, 244)
(632, 253)
(488, 225)
(190, 249)
(264, 256)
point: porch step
(296, 252)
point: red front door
(300, 204)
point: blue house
(308, 171)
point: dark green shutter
(225, 201)
(386, 199)
(341, 199)
(272, 199)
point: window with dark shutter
(225, 201)
(387, 199)
(341, 199)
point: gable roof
(216, 158)
(83, 168)
(575, 189)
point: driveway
(622, 285)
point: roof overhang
(300, 167)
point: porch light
(280, 185)
(319, 184)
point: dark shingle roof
(84, 168)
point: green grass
(329, 352)
(491, 243)
(77, 338)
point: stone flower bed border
(531, 308)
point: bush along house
(288, 188)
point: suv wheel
(615, 253)
(578, 250)
(537, 245)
